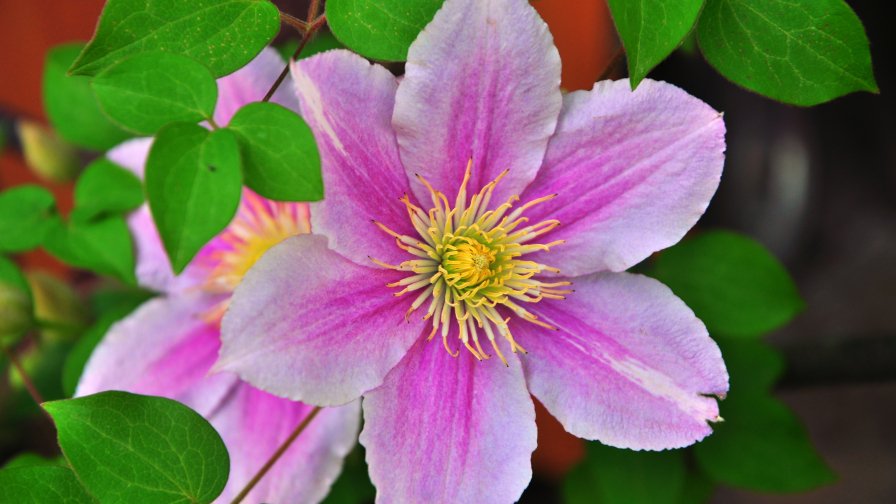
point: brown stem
(29, 385)
(275, 457)
(313, 9)
(293, 21)
(309, 32)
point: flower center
(468, 262)
(259, 225)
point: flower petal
(251, 83)
(348, 104)
(482, 81)
(253, 424)
(633, 172)
(630, 365)
(131, 154)
(308, 324)
(165, 348)
(445, 429)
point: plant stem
(29, 385)
(293, 21)
(309, 32)
(276, 456)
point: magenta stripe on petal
(633, 172)
(348, 104)
(446, 429)
(311, 325)
(482, 81)
(254, 424)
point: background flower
(168, 346)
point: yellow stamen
(467, 262)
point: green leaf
(193, 184)
(26, 216)
(224, 35)
(71, 105)
(106, 188)
(16, 303)
(698, 488)
(33, 459)
(152, 89)
(753, 366)
(130, 448)
(353, 485)
(651, 29)
(103, 245)
(380, 29)
(735, 286)
(280, 157)
(803, 52)
(42, 484)
(613, 476)
(761, 445)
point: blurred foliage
(353, 485)
(71, 105)
(736, 287)
(27, 213)
(16, 303)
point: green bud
(57, 307)
(15, 313)
(49, 156)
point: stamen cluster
(468, 263)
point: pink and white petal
(348, 104)
(313, 326)
(251, 83)
(153, 269)
(164, 348)
(633, 171)
(131, 155)
(629, 365)
(482, 81)
(253, 424)
(446, 429)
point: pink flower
(474, 207)
(168, 345)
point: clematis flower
(167, 346)
(470, 251)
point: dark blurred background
(816, 186)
